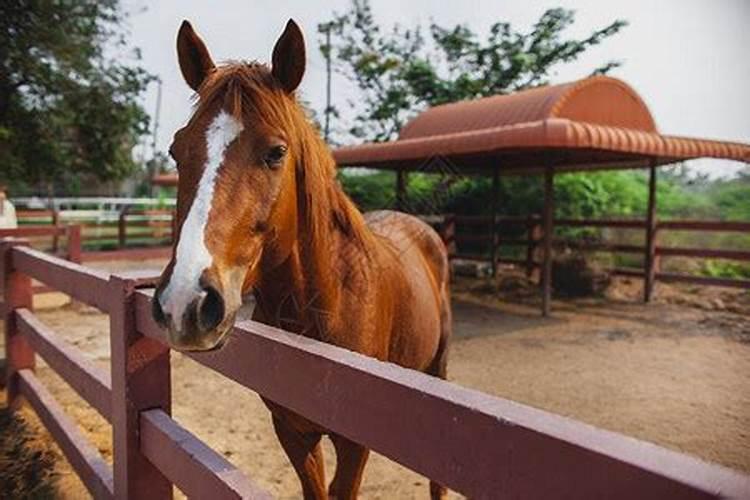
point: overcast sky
(688, 59)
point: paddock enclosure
(476, 444)
(596, 123)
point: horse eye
(274, 156)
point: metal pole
(493, 228)
(649, 261)
(548, 222)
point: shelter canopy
(595, 123)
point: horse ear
(195, 61)
(288, 61)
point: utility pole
(327, 126)
(157, 114)
(151, 164)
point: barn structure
(592, 124)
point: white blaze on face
(192, 257)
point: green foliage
(732, 198)
(68, 92)
(577, 195)
(726, 269)
(369, 190)
(399, 71)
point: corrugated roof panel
(600, 99)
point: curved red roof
(598, 122)
(598, 100)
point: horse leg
(350, 464)
(439, 368)
(304, 451)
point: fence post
(122, 227)
(401, 183)
(140, 381)
(173, 235)
(18, 294)
(448, 234)
(56, 237)
(74, 243)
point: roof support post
(400, 190)
(493, 224)
(548, 223)
(650, 258)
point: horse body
(259, 200)
(390, 295)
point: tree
(69, 86)
(400, 71)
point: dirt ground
(675, 372)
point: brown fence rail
(74, 251)
(476, 444)
(71, 233)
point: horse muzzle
(202, 324)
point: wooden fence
(52, 232)
(481, 232)
(476, 444)
(74, 251)
(128, 227)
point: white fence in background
(110, 204)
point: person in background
(7, 211)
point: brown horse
(260, 210)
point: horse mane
(249, 91)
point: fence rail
(479, 445)
(85, 459)
(124, 228)
(89, 381)
(531, 226)
(196, 469)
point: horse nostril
(210, 309)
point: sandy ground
(676, 374)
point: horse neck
(330, 230)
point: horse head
(236, 200)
